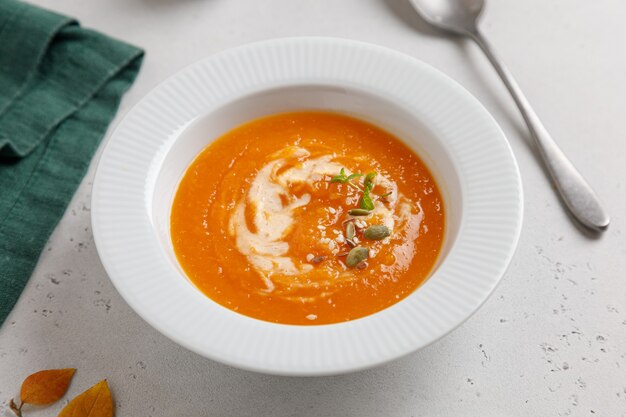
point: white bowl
(457, 138)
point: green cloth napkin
(60, 86)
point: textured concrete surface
(550, 342)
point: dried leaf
(46, 387)
(95, 402)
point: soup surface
(307, 218)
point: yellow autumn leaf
(46, 387)
(95, 402)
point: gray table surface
(551, 341)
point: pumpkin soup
(307, 218)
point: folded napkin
(60, 86)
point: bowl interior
(191, 139)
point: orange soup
(307, 218)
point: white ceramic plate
(148, 153)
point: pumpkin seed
(376, 232)
(356, 256)
(350, 231)
(359, 212)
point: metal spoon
(461, 17)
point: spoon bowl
(457, 16)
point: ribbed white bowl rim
(130, 253)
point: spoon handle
(575, 191)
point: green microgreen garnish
(368, 183)
(366, 201)
(383, 197)
(343, 179)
